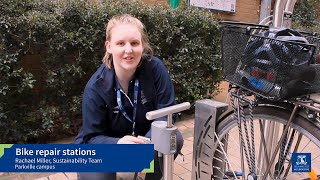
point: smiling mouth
(128, 58)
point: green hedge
(306, 16)
(69, 37)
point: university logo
(301, 162)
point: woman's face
(125, 46)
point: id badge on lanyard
(134, 105)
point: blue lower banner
(76, 157)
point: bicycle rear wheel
(225, 158)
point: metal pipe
(168, 110)
(290, 5)
(169, 122)
(287, 16)
(265, 19)
(278, 12)
(168, 167)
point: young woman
(128, 84)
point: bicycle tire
(206, 154)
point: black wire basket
(271, 67)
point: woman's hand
(130, 140)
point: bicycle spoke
(281, 139)
(284, 152)
(232, 140)
(253, 154)
(305, 146)
(263, 144)
(295, 150)
(215, 134)
(219, 169)
(317, 157)
(242, 163)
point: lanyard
(134, 105)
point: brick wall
(246, 10)
(163, 2)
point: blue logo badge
(301, 162)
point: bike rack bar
(290, 5)
(207, 113)
(278, 12)
(287, 15)
(308, 106)
(252, 102)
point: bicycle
(244, 143)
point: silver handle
(167, 110)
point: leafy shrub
(69, 36)
(306, 15)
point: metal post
(168, 167)
(168, 158)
